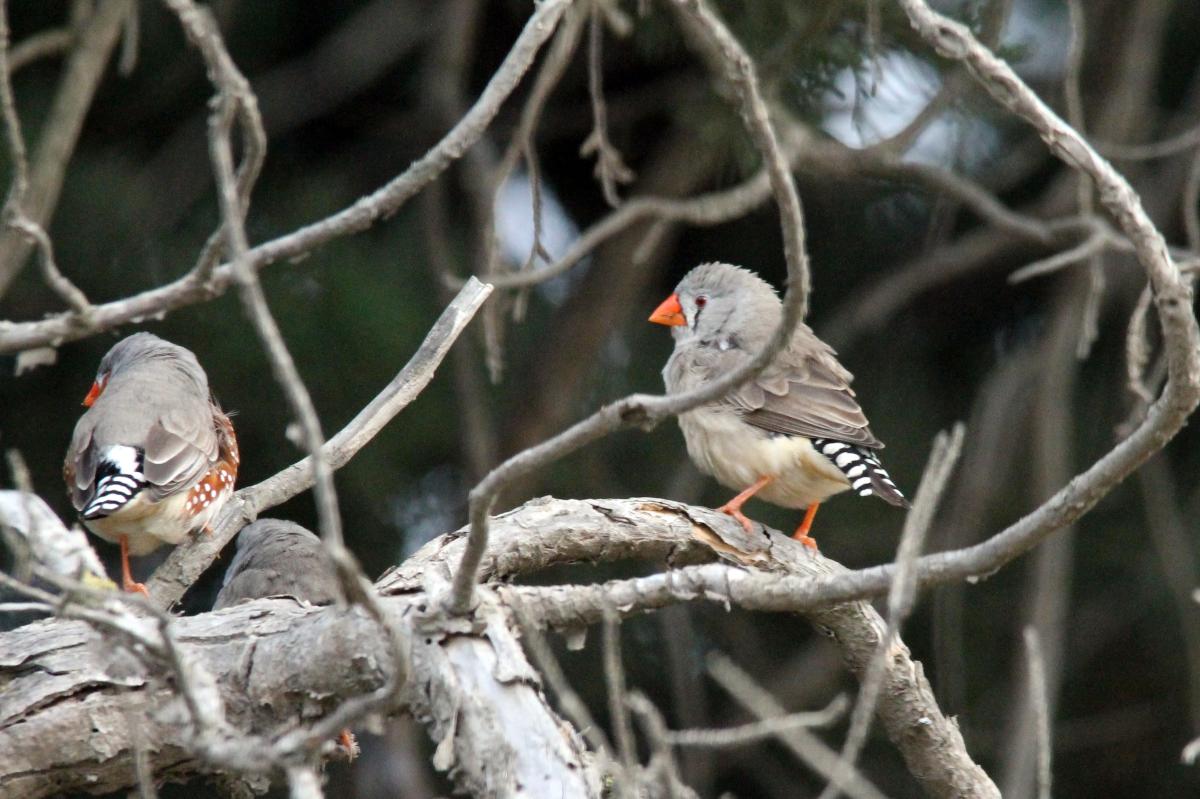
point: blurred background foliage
(910, 287)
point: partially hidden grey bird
(795, 434)
(278, 558)
(154, 458)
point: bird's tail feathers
(862, 468)
(119, 478)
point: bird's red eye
(701, 301)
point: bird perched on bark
(278, 558)
(281, 558)
(154, 458)
(794, 435)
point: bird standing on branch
(794, 435)
(154, 458)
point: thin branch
(1095, 243)
(15, 215)
(235, 100)
(759, 730)
(558, 58)
(647, 410)
(1137, 353)
(95, 39)
(808, 748)
(1160, 149)
(614, 678)
(610, 167)
(1041, 708)
(662, 764)
(1089, 326)
(361, 215)
(43, 44)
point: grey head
(726, 306)
(141, 351)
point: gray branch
(73, 691)
(361, 215)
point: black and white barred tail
(118, 480)
(862, 468)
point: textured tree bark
(76, 705)
(547, 531)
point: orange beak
(97, 388)
(670, 313)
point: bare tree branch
(1041, 706)
(15, 216)
(807, 747)
(43, 44)
(761, 571)
(81, 76)
(757, 731)
(385, 201)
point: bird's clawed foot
(734, 506)
(132, 587)
(735, 511)
(801, 533)
(805, 539)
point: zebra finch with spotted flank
(154, 458)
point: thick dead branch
(74, 700)
(765, 572)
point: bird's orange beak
(97, 388)
(669, 313)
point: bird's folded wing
(806, 394)
(79, 468)
(180, 448)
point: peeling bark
(75, 706)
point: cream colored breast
(149, 525)
(737, 455)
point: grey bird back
(156, 399)
(278, 558)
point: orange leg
(801, 533)
(126, 577)
(734, 506)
